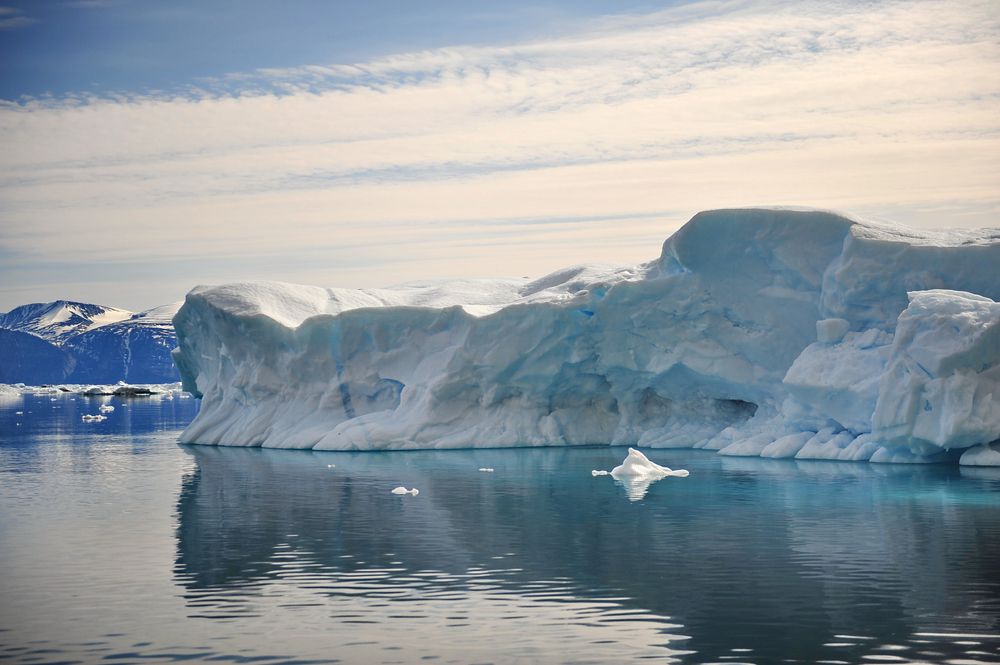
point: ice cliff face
(756, 332)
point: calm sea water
(118, 545)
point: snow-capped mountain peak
(155, 316)
(57, 321)
(77, 342)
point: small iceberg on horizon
(636, 473)
(403, 490)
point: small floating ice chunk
(637, 465)
(88, 418)
(331, 466)
(106, 408)
(403, 490)
(19, 413)
(636, 473)
(486, 469)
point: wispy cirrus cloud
(12, 19)
(90, 4)
(497, 160)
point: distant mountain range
(73, 342)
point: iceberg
(764, 332)
(941, 385)
(636, 473)
(637, 465)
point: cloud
(91, 4)
(12, 19)
(497, 160)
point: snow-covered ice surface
(779, 333)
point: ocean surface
(117, 545)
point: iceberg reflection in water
(118, 545)
(759, 558)
(452, 574)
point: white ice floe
(486, 469)
(106, 408)
(403, 490)
(776, 333)
(637, 465)
(636, 473)
(88, 418)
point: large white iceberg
(782, 333)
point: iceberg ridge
(781, 333)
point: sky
(147, 146)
